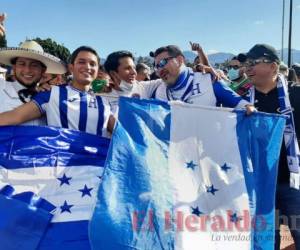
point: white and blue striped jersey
(195, 88)
(71, 108)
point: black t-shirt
(269, 103)
(294, 91)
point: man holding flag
(180, 176)
(270, 94)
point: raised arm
(203, 59)
(24, 113)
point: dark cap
(261, 50)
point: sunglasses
(162, 63)
(251, 63)
(233, 67)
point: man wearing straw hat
(29, 62)
(70, 105)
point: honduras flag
(185, 177)
(48, 186)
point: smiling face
(28, 71)
(167, 67)
(84, 69)
(126, 70)
(259, 71)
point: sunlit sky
(141, 26)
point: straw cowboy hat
(32, 50)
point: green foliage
(3, 42)
(54, 48)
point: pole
(282, 32)
(290, 34)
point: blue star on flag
(225, 167)
(66, 208)
(211, 189)
(191, 165)
(86, 191)
(196, 211)
(64, 180)
(234, 218)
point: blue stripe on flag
(75, 236)
(134, 171)
(32, 146)
(256, 133)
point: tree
(53, 48)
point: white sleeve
(145, 89)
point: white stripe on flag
(196, 164)
(44, 182)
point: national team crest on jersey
(71, 108)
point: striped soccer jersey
(71, 108)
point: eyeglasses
(251, 63)
(233, 67)
(162, 63)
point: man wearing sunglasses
(179, 82)
(270, 94)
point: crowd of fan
(38, 89)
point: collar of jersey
(78, 90)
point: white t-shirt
(136, 91)
(10, 99)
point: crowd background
(235, 73)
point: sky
(141, 26)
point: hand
(195, 46)
(2, 29)
(43, 87)
(250, 109)
(207, 69)
(115, 83)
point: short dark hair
(112, 61)
(83, 48)
(172, 50)
(14, 61)
(101, 68)
(296, 67)
(141, 66)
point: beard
(27, 85)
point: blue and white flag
(62, 167)
(184, 177)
